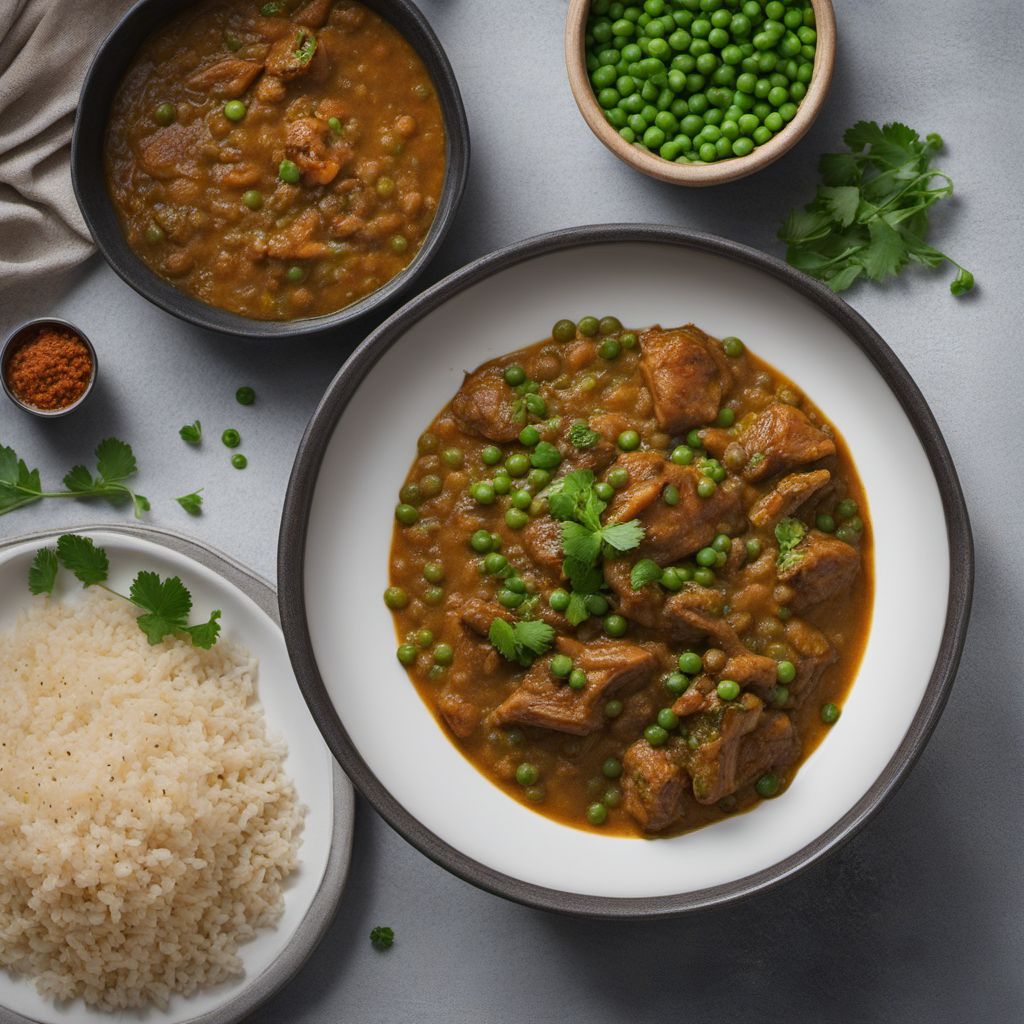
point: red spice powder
(51, 369)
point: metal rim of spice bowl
(14, 340)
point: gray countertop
(919, 917)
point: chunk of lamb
(719, 733)
(542, 540)
(314, 13)
(775, 743)
(780, 439)
(172, 152)
(818, 568)
(477, 615)
(309, 143)
(812, 655)
(787, 496)
(672, 532)
(483, 407)
(687, 375)
(227, 79)
(296, 241)
(289, 57)
(613, 669)
(654, 785)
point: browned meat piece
(295, 54)
(787, 496)
(314, 13)
(597, 458)
(542, 540)
(653, 784)
(478, 614)
(751, 671)
(696, 613)
(461, 716)
(699, 697)
(773, 744)
(296, 241)
(483, 407)
(719, 733)
(715, 440)
(227, 79)
(610, 424)
(820, 567)
(687, 375)
(172, 152)
(812, 655)
(309, 143)
(271, 89)
(780, 439)
(672, 531)
(643, 606)
(613, 668)
(240, 175)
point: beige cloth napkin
(45, 49)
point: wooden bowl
(698, 175)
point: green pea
(690, 663)
(234, 110)
(670, 495)
(514, 376)
(539, 478)
(529, 436)
(596, 604)
(481, 542)
(655, 735)
(433, 572)
(615, 625)
(494, 563)
(483, 493)
(231, 438)
(454, 458)
(778, 696)
(726, 417)
(728, 689)
(707, 557)
(667, 718)
(424, 637)
(335, 125)
(427, 443)
(516, 584)
(155, 234)
(491, 455)
(396, 598)
(527, 774)
(252, 198)
(628, 441)
(618, 477)
(830, 713)
(289, 172)
(628, 340)
(704, 576)
(609, 349)
(753, 547)
(443, 654)
(706, 488)
(597, 814)
(239, 461)
(577, 679)
(398, 244)
(516, 518)
(510, 599)
(672, 579)
(245, 396)
(165, 114)
(502, 483)
(564, 330)
(682, 455)
(613, 709)
(561, 665)
(604, 491)
(847, 534)
(406, 514)
(768, 785)
(609, 325)
(517, 464)
(588, 326)
(559, 600)
(295, 275)
(847, 508)
(407, 654)
(824, 522)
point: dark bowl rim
(115, 250)
(6, 350)
(291, 560)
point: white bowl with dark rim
(88, 173)
(336, 534)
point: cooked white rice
(146, 823)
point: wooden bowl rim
(700, 175)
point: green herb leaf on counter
(191, 433)
(42, 573)
(382, 937)
(869, 217)
(520, 641)
(191, 503)
(166, 604)
(115, 463)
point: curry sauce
(632, 576)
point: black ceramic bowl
(87, 171)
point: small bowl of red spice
(48, 367)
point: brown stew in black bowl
(631, 575)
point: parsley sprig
(870, 215)
(165, 603)
(115, 463)
(521, 642)
(585, 539)
(789, 533)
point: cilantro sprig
(521, 642)
(581, 436)
(115, 463)
(191, 503)
(165, 603)
(789, 533)
(869, 218)
(191, 433)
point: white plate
(337, 531)
(312, 893)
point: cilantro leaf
(191, 503)
(644, 572)
(789, 533)
(42, 573)
(18, 484)
(166, 602)
(623, 536)
(520, 641)
(581, 436)
(82, 557)
(869, 217)
(584, 577)
(580, 543)
(191, 433)
(577, 611)
(115, 461)
(79, 480)
(382, 937)
(205, 633)
(305, 46)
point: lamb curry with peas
(278, 160)
(631, 575)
